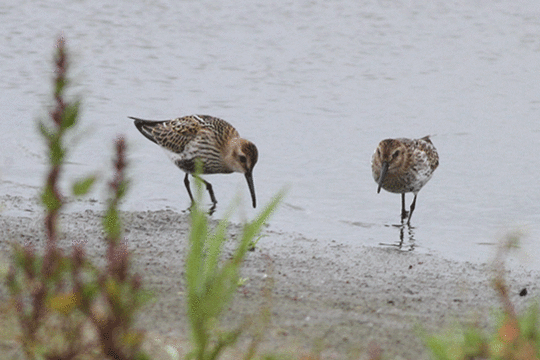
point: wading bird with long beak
(404, 165)
(212, 141)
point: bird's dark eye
(395, 154)
(242, 159)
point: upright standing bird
(404, 165)
(212, 141)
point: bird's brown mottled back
(427, 146)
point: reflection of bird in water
(404, 165)
(406, 240)
(212, 141)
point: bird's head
(243, 158)
(390, 156)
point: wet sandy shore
(326, 296)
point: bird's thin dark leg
(413, 205)
(186, 182)
(210, 191)
(403, 211)
(212, 196)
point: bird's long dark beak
(384, 170)
(249, 179)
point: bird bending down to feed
(212, 141)
(404, 165)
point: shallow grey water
(316, 85)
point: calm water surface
(316, 85)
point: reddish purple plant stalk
(117, 323)
(36, 279)
(52, 253)
(53, 285)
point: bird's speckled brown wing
(425, 145)
(172, 135)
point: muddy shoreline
(326, 295)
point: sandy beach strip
(325, 295)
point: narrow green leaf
(111, 223)
(213, 245)
(56, 152)
(142, 356)
(438, 348)
(90, 291)
(473, 342)
(122, 189)
(252, 229)
(49, 199)
(70, 115)
(83, 186)
(60, 84)
(211, 285)
(45, 130)
(529, 322)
